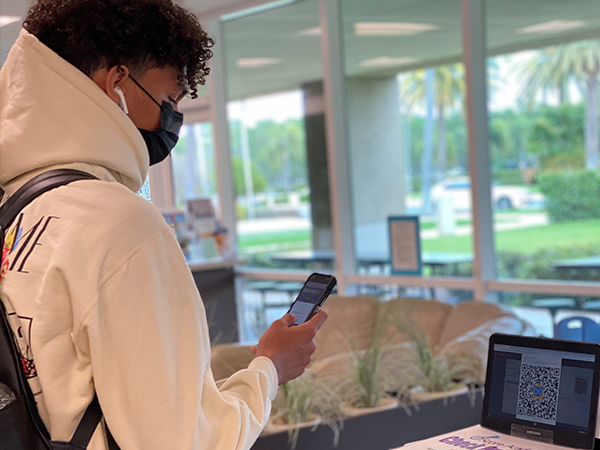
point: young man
(97, 289)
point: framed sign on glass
(405, 245)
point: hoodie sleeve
(147, 337)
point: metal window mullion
(474, 54)
(334, 84)
(383, 280)
(272, 275)
(414, 281)
(549, 287)
(218, 97)
(218, 93)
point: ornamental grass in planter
(365, 392)
(303, 403)
(440, 375)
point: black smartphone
(312, 296)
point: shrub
(241, 212)
(556, 136)
(508, 176)
(571, 196)
(281, 198)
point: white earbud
(123, 103)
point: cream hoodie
(97, 289)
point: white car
(503, 197)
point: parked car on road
(503, 197)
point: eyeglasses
(183, 94)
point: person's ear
(114, 79)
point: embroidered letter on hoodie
(27, 249)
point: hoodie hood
(52, 114)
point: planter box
(388, 429)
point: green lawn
(431, 224)
(274, 242)
(526, 240)
(519, 211)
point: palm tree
(540, 76)
(449, 86)
(553, 68)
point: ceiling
(296, 58)
(202, 8)
(276, 35)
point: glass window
(202, 89)
(387, 292)
(407, 131)
(277, 136)
(10, 26)
(262, 302)
(195, 194)
(193, 165)
(543, 75)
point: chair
(577, 328)
(291, 289)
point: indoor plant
(303, 403)
(365, 392)
(439, 375)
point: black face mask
(160, 142)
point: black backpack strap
(112, 444)
(86, 428)
(8, 213)
(33, 189)
(89, 422)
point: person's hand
(290, 348)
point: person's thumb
(318, 320)
(288, 320)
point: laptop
(541, 389)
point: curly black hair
(139, 34)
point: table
(435, 260)
(306, 257)
(439, 260)
(554, 304)
(475, 437)
(593, 305)
(591, 263)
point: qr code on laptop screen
(581, 386)
(538, 393)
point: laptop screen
(542, 389)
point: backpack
(21, 427)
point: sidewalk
(518, 221)
(273, 224)
(283, 224)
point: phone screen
(309, 296)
